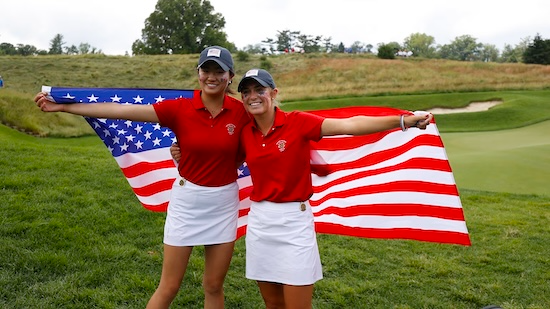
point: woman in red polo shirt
(203, 208)
(281, 246)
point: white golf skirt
(199, 215)
(281, 244)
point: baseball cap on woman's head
(260, 75)
(218, 54)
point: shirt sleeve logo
(230, 128)
(281, 144)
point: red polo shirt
(209, 146)
(279, 162)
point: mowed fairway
(514, 161)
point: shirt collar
(280, 118)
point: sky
(113, 25)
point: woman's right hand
(45, 104)
(175, 152)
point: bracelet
(402, 123)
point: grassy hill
(306, 81)
(300, 76)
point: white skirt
(281, 244)
(199, 215)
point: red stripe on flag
(400, 233)
(244, 192)
(384, 155)
(394, 210)
(154, 188)
(241, 231)
(415, 163)
(144, 167)
(157, 208)
(243, 212)
(396, 186)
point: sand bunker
(472, 107)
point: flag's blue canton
(243, 171)
(124, 136)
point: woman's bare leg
(174, 266)
(217, 260)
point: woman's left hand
(419, 120)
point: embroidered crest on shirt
(281, 144)
(230, 128)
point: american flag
(391, 185)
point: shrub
(243, 56)
(386, 51)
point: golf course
(74, 234)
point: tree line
(187, 26)
(57, 47)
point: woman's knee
(274, 303)
(169, 289)
(212, 285)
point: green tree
(387, 51)
(509, 54)
(253, 49)
(341, 48)
(71, 50)
(84, 48)
(269, 42)
(357, 47)
(489, 53)
(538, 52)
(463, 48)
(327, 45)
(421, 45)
(182, 27)
(26, 50)
(286, 39)
(515, 54)
(309, 43)
(56, 45)
(368, 48)
(7, 49)
(139, 48)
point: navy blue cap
(260, 75)
(218, 54)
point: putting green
(515, 161)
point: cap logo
(252, 72)
(214, 52)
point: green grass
(74, 236)
(514, 161)
(518, 108)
